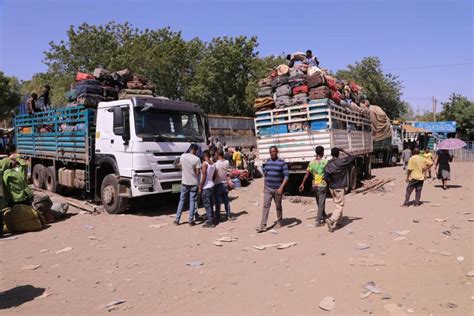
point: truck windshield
(166, 125)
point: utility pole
(434, 101)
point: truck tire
(109, 194)
(352, 178)
(393, 158)
(38, 175)
(367, 167)
(51, 180)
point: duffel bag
(22, 218)
(264, 92)
(322, 92)
(282, 69)
(295, 73)
(313, 69)
(283, 90)
(266, 82)
(89, 89)
(315, 80)
(135, 84)
(331, 82)
(336, 97)
(300, 89)
(90, 100)
(297, 82)
(125, 74)
(100, 73)
(279, 80)
(83, 76)
(263, 102)
(284, 101)
(88, 82)
(140, 78)
(110, 93)
(301, 98)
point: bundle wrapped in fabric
(300, 89)
(284, 101)
(261, 103)
(265, 82)
(130, 93)
(83, 76)
(316, 80)
(283, 90)
(279, 80)
(322, 92)
(300, 98)
(265, 91)
(89, 100)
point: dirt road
(143, 259)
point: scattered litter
(362, 246)
(195, 263)
(365, 294)
(394, 310)
(470, 274)
(246, 249)
(230, 228)
(440, 252)
(441, 220)
(263, 247)
(44, 295)
(402, 232)
(416, 220)
(9, 238)
(399, 238)
(226, 239)
(257, 204)
(91, 237)
(158, 225)
(311, 210)
(217, 243)
(447, 233)
(449, 305)
(434, 205)
(365, 262)
(286, 245)
(31, 267)
(273, 231)
(460, 258)
(410, 310)
(67, 249)
(386, 296)
(220, 234)
(83, 212)
(88, 226)
(328, 303)
(322, 254)
(44, 250)
(471, 220)
(370, 286)
(292, 224)
(114, 303)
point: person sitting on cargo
(316, 168)
(335, 175)
(310, 59)
(31, 104)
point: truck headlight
(143, 180)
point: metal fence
(464, 154)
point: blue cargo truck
(122, 150)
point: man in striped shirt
(276, 177)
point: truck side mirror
(121, 123)
(126, 126)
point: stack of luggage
(105, 86)
(285, 87)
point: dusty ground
(123, 257)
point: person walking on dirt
(221, 190)
(316, 168)
(428, 156)
(276, 175)
(238, 158)
(251, 162)
(190, 166)
(206, 187)
(406, 154)
(443, 168)
(415, 177)
(335, 175)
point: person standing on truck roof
(335, 175)
(310, 59)
(190, 166)
(406, 154)
(295, 57)
(206, 188)
(276, 175)
(415, 177)
(221, 190)
(316, 168)
(31, 104)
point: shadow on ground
(19, 295)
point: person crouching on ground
(417, 165)
(316, 168)
(206, 188)
(276, 175)
(221, 190)
(335, 175)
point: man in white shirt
(221, 190)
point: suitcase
(264, 92)
(284, 101)
(315, 80)
(88, 82)
(283, 90)
(266, 82)
(300, 89)
(90, 89)
(279, 80)
(135, 84)
(301, 98)
(322, 92)
(83, 76)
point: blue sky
(429, 44)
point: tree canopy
(460, 109)
(9, 95)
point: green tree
(384, 90)
(461, 110)
(10, 96)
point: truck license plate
(176, 188)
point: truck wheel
(109, 194)
(352, 178)
(51, 180)
(38, 175)
(393, 158)
(367, 167)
